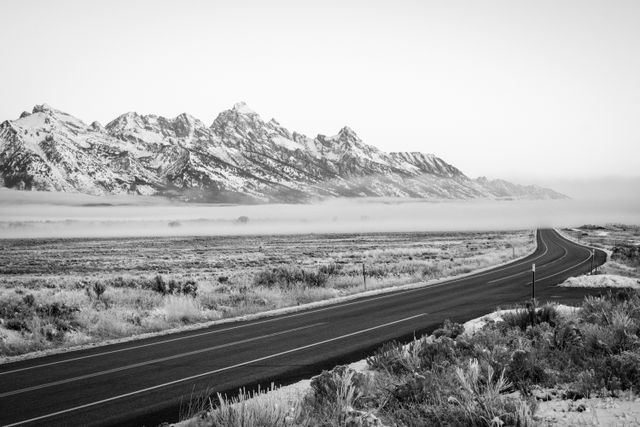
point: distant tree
(243, 219)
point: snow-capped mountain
(239, 158)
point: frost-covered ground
(622, 244)
(105, 289)
(609, 411)
(602, 281)
(473, 325)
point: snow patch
(601, 281)
(474, 325)
(286, 143)
(243, 108)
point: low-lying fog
(25, 214)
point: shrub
(594, 309)
(47, 321)
(481, 400)
(190, 287)
(524, 370)
(334, 395)
(159, 285)
(627, 254)
(566, 336)
(626, 368)
(585, 383)
(520, 318)
(99, 289)
(283, 277)
(173, 287)
(391, 358)
(332, 269)
(420, 388)
(530, 316)
(29, 300)
(440, 352)
(121, 282)
(330, 386)
(16, 323)
(547, 314)
(449, 329)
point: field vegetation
(620, 240)
(495, 376)
(65, 292)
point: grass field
(620, 240)
(64, 292)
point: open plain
(57, 293)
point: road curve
(147, 381)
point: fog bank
(34, 218)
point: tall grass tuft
(181, 308)
(252, 409)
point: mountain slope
(239, 158)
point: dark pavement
(145, 382)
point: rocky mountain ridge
(239, 158)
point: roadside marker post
(593, 254)
(364, 277)
(533, 281)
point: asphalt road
(147, 381)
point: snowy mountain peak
(188, 121)
(42, 108)
(242, 108)
(124, 121)
(186, 118)
(97, 126)
(239, 158)
(347, 133)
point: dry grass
(262, 408)
(113, 289)
(611, 237)
(181, 308)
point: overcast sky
(513, 89)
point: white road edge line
(152, 361)
(566, 252)
(104, 353)
(566, 269)
(204, 374)
(577, 245)
(329, 307)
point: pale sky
(511, 89)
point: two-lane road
(146, 381)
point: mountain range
(239, 158)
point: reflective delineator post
(593, 254)
(533, 281)
(364, 277)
